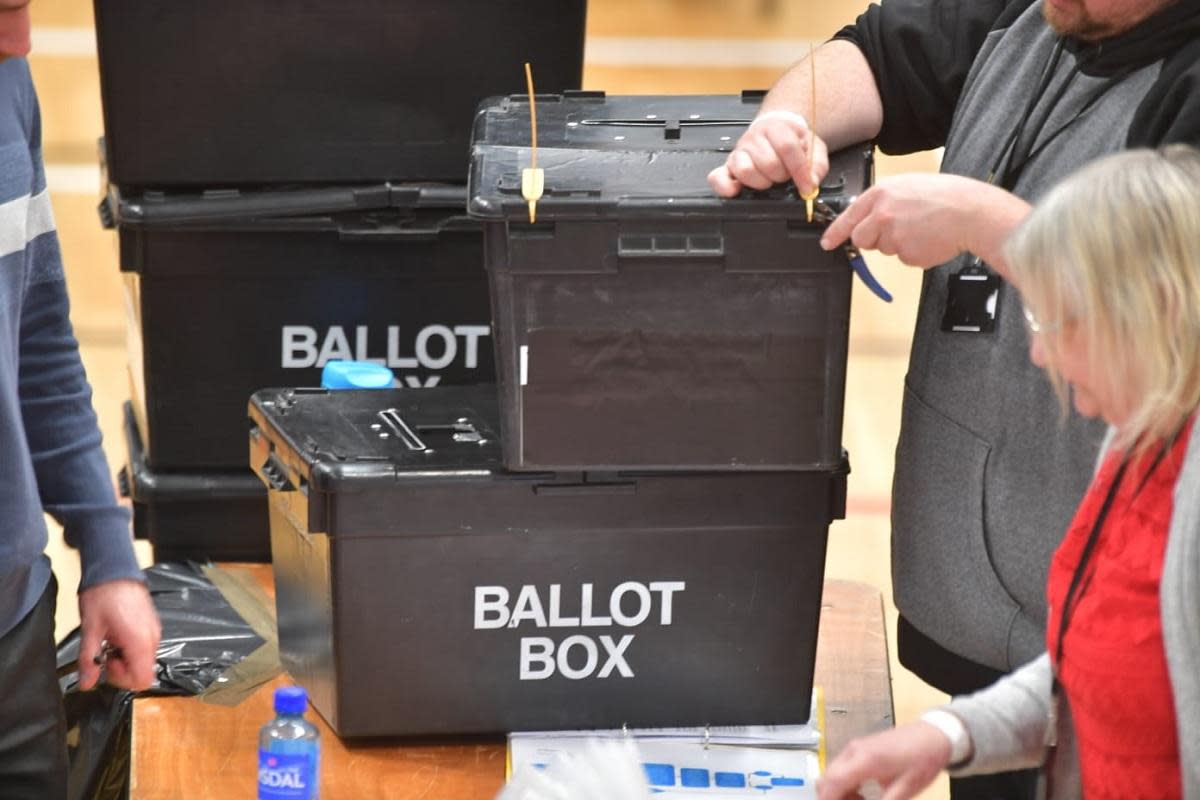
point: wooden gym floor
(633, 46)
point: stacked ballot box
(643, 323)
(254, 93)
(224, 298)
(288, 188)
(630, 527)
(422, 588)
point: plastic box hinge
(422, 195)
(404, 196)
(378, 196)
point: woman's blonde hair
(1116, 248)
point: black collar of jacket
(1150, 40)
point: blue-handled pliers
(825, 214)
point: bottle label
(285, 776)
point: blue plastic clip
(356, 375)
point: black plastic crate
(423, 589)
(196, 516)
(643, 322)
(237, 92)
(228, 292)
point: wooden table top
(183, 747)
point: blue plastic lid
(290, 700)
(356, 375)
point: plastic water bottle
(289, 750)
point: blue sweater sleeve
(62, 431)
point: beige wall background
(633, 46)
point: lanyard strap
(1018, 166)
(1078, 586)
(1014, 157)
(1074, 592)
(995, 175)
(1064, 620)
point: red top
(1114, 667)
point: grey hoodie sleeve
(1007, 721)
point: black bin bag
(202, 637)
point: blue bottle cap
(290, 700)
(355, 375)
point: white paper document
(719, 762)
(688, 770)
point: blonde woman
(1108, 266)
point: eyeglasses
(1034, 326)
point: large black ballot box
(422, 588)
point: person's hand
(903, 761)
(777, 147)
(927, 219)
(121, 613)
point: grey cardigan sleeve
(1007, 721)
(1180, 598)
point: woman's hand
(903, 761)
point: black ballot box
(421, 588)
(641, 322)
(255, 92)
(232, 291)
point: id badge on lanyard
(972, 300)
